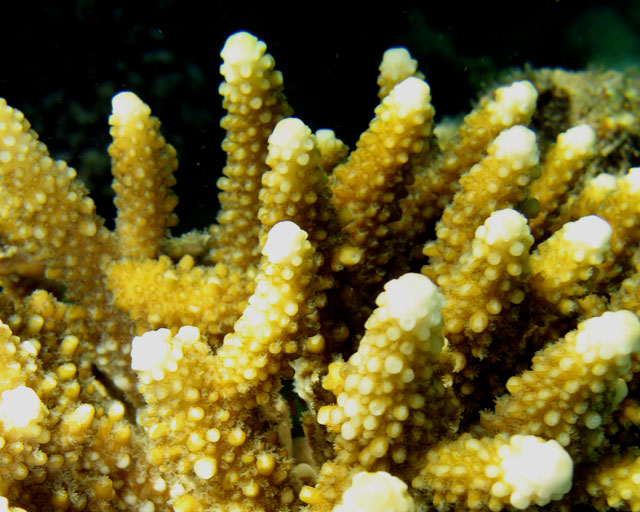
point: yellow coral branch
(142, 165)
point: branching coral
(457, 311)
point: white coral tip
(397, 62)
(412, 297)
(632, 178)
(504, 226)
(242, 47)
(289, 134)
(19, 407)
(284, 240)
(519, 97)
(376, 492)
(516, 146)
(580, 139)
(602, 184)
(610, 335)
(126, 104)
(590, 233)
(537, 471)
(150, 350)
(410, 95)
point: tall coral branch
(143, 166)
(47, 215)
(252, 93)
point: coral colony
(456, 304)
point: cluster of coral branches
(455, 303)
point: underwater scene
(257, 259)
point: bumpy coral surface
(441, 319)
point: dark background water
(62, 62)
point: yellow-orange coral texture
(455, 303)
